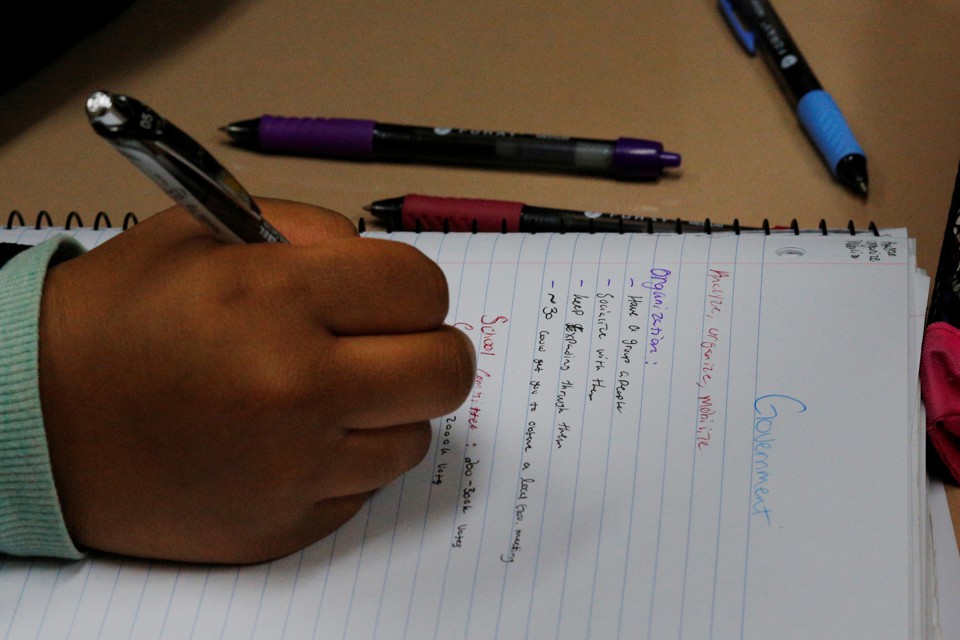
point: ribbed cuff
(31, 522)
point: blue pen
(756, 25)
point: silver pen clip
(181, 167)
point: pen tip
(245, 133)
(852, 172)
(668, 159)
(367, 208)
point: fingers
(372, 458)
(314, 523)
(303, 527)
(353, 286)
(174, 232)
(305, 224)
(365, 462)
(394, 289)
(400, 379)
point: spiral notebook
(670, 436)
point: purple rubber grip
(635, 158)
(317, 136)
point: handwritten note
(685, 436)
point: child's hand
(234, 403)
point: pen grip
(822, 119)
(341, 137)
(460, 214)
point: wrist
(31, 522)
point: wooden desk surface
(667, 71)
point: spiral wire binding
(43, 219)
(15, 215)
(707, 226)
(102, 220)
(73, 218)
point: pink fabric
(940, 388)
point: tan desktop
(670, 72)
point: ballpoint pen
(624, 158)
(756, 25)
(432, 213)
(180, 166)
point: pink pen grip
(431, 212)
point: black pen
(756, 24)
(180, 166)
(415, 212)
(624, 158)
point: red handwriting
(488, 331)
(715, 297)
(474, 410)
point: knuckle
(397, 453)
(460, 361)
(342, 226)
(423, 437)
(270, 382)
(438, 284)
(413, 446)
(428, 278)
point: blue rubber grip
(822, 119)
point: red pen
(430, 213)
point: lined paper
(691, 436)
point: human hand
(233, 403)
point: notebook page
(684, 436)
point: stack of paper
(682, 436)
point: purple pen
(624, 158)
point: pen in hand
(181, 167)
(757, 26)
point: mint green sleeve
(31, 522)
